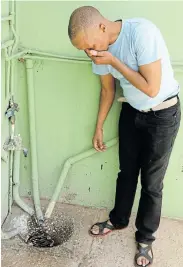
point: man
(134, 52)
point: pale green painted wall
(67, 100)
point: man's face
(93, 39)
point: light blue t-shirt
(140, 42)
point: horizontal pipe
(17, 55)
(177, 65)
(36, 52)
(56, 56)
(69, 162)
(7, 18)
(33, 54)
(79, 60)
(7, 44)
(55, 59)
(178, 69)
(28, 53)
(16, 184)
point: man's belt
(164, 105)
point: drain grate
(49, 234)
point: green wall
(67, 97)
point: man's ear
(102, 27)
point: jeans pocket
(170, 113)
(169, 117)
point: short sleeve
(100, 69)
(147, 44)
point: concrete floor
(115, 250)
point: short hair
(81, 19)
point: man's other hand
(98, 141)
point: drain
(51, 233)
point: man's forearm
(106, 100)
(134, 77)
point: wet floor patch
(53, 232)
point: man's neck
(114, 31)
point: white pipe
(36, 52)
(69, 162)
(14, 162)
(16, 184)
(11, 93)
(177, 63)
(8, 65)
(10, 193)
(52, 57)
(15, 36)
(17, 55)
(33, 144)
(56, 59)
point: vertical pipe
(10, 194)
(14, 162)
(16, 183)
(12, 25)
(9, 92)
(10, 174)
(11, 131)
(32, 128)
(8, 64)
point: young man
(134, 52)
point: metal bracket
(10, 112)
(15, 144)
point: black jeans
(145, 144)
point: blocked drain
(53, 232)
